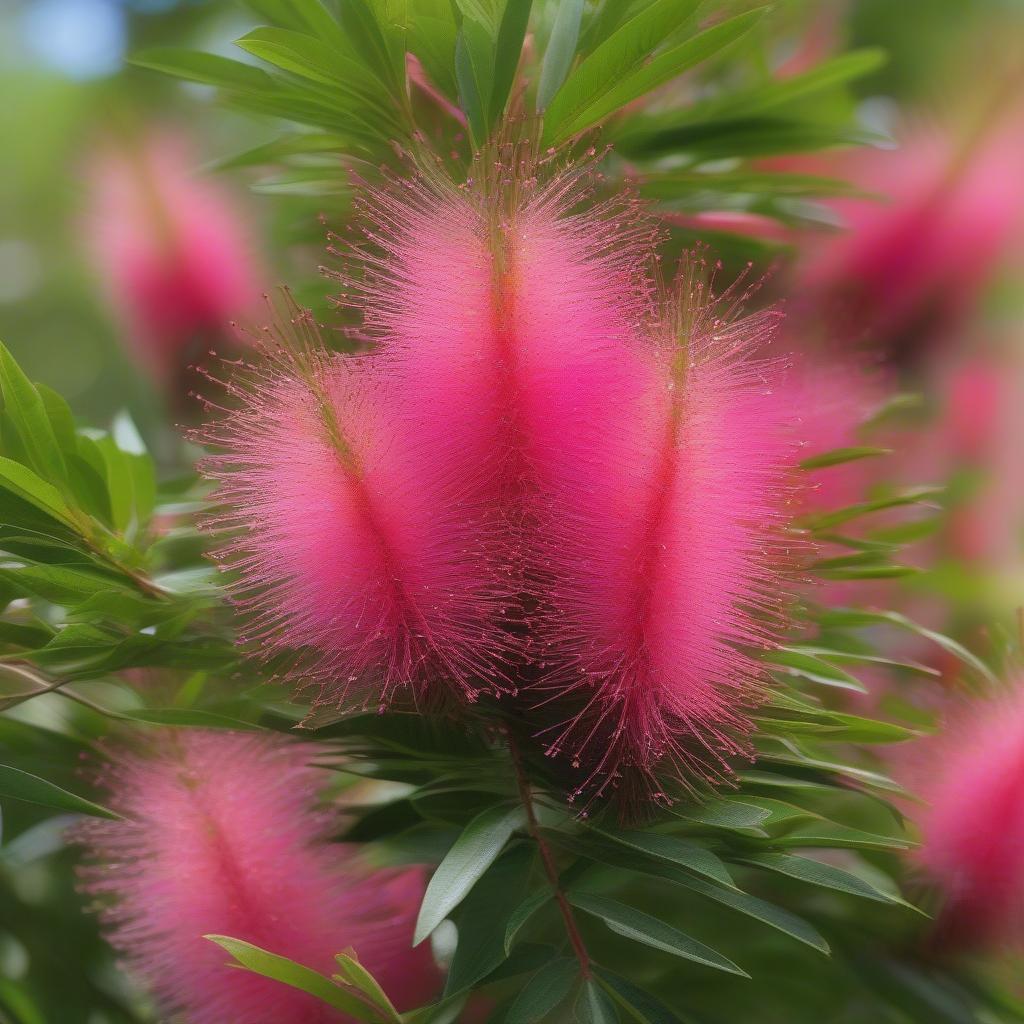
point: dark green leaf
(543, 992)
(593, 1005)
(650, 931)
(20, 785)
(507, 49)
(20, 480)
(674, 851)
(485, 916)
(641, 1006)
(522, 914)
(816, 873)
(838, 456)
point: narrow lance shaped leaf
(560, 50)
(543, 992)
(594, 1005)
(472, 854)
(279, 968)
(507, 49)
(19, 785)
(650, 931)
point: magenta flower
(908, 268)
(973, 826)
(666, 556)
(173, 250)
(536, 482)
(221, 836)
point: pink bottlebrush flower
(666, 558)
(174, 252)
(384, 507)
(350, 543)
(221, 836)
(909, 267)
(973, 826)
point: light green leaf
(27, 410)
(19, 785)
(473, 853)
(279, 968)
(356, 975)
(560, 50)
(20, 480)
(207, 68)
(650, 931)
(612, 63)
(543, 992)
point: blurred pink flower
(907, 268)
(221, 836)
(173, 250)
(973, 825)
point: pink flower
(908, 268)
(666, 558)
(973, 826)
(535, 482)
(221, 837)
(173, 250)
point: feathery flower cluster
(542, 478)
(973, 826)
(174, 253)
(221, 836)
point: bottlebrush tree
(493, 662)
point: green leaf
(507, 49)
(207, 68)
(279, 968)
(853, 618)
(522, 914)
(543, 992)
(593, 1006)
(186, 718)
(650, 931)
(485, 916)
(641, 1006)
(20, 480)
(473, 89)
(674, 851)
(839, 456)
(27, 410)
(811, 667)
(356, 975)
(608, 94)
(560, 50)
(368, 39)
(612, 64)
(726, 813)
(472, 854)
(816, 873)
(767, 913)
(19, 785)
